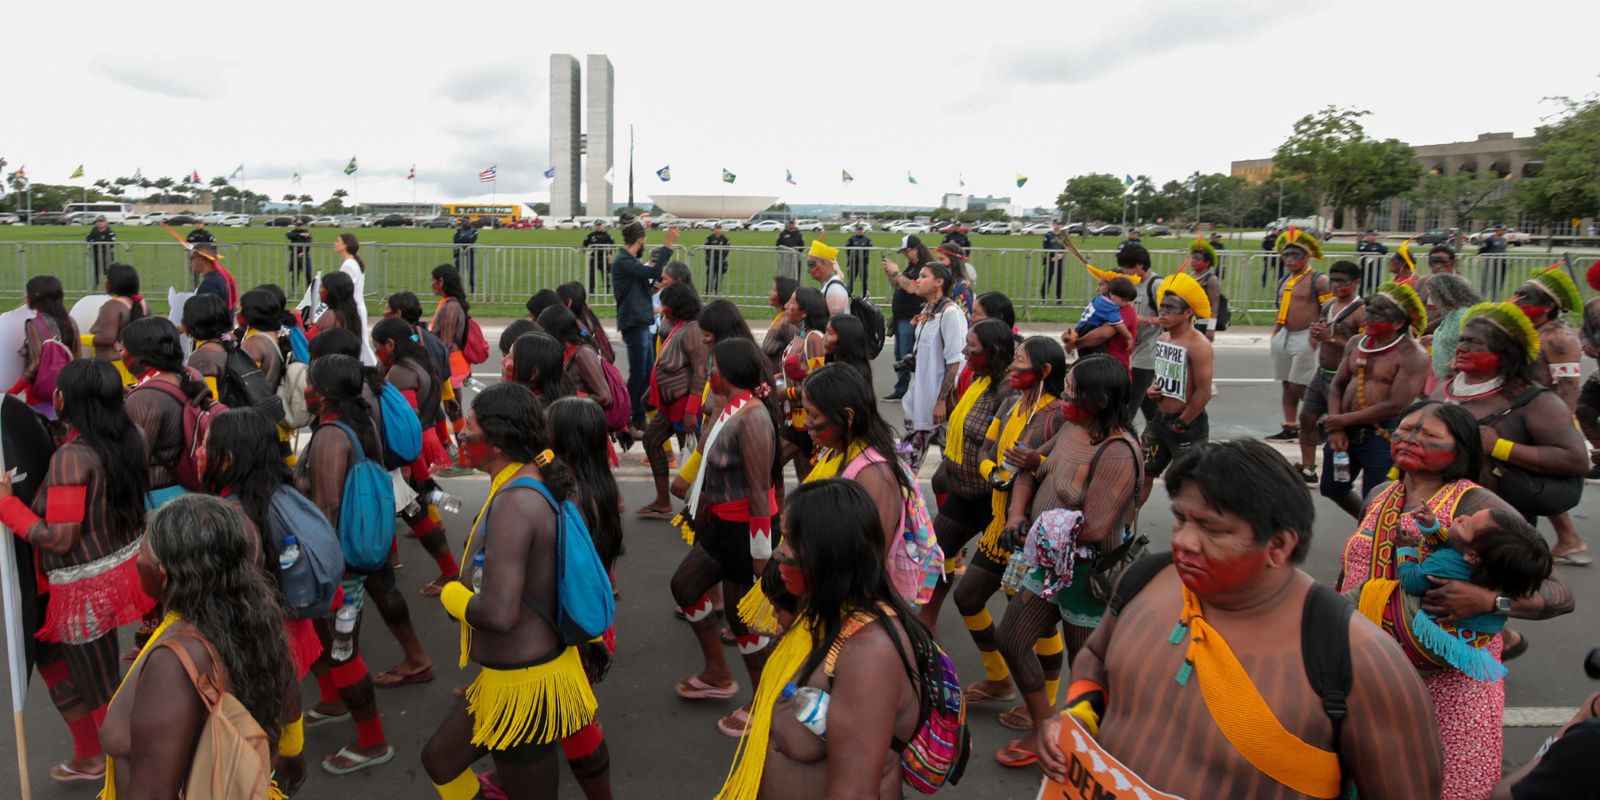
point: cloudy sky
(1046, 89)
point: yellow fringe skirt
(538, 704)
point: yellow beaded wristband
(1502, 449)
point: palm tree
(305, 200)
(218, 181)
(289, 198)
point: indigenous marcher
(338, 293)
(941, 335)
(151, 352)
(243, 466)
(1203, 266)
(782, 329)
(85, 526)
(1340, 320)
(1093, 466)
(1242, 705)
(855, 640)
(1381, 373)
(261, 317)
(531, 691)
(449, 324)
(808, 312)
(676, 383)
(1588, 411)
(535, 362)
(846, 343)
(1436, 450)
(1402, 269)
(1022, 425)
(727, 520)
(580, 355)
(1293, 358)
(335, 394)
(213, 278)
(1449, 295)
(1543, 298)
(125, 306)
(995, 305)
(43, 294)
(822, 264)
(223, 621)
(207, 321)
(1182, 385)
(954, 258)
(964, 493)
(576, 299)
(1441, 261)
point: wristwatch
(1502, 605)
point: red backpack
(475, 348)
(197, 415)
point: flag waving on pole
(238, 172)
(194, 177)
(910, 178)
(137, 174)
(350, 168)
(486, 175)
(961, 180)
(1127, 180)
(844, 176)
(728, 177)
(77, 173)
(412, 175)
(788, 177)
(665, 173)
(1021, 179)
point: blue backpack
(402, 432)
(299, 345)
(309, 585)
(366, 512)
(585, 608)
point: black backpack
(246, 385)
(1326, 658)
(871, 318)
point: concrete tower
(565, 142)
(600, 137)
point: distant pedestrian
(299, 252)
(958, 235)
(789, 245)
(1134, 237)
(1055, 256)
(466, 239)
(1372, 260)
(1494, 267)
(597, 248)
(101, 248)
(716, 259)
(858, 254)
(200, 235)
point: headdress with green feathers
(1509, 319)
(1409, 302)
(1203, 246)
(1555, 282)
(1301, 239)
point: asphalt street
(664, 747)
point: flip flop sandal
(1017, 719)
(728, 637)
(1517, 649)
(735, 729)
(313, 718)
(357, 761)
(1574, 560)
(976, 694)
(1013, 755)
(394, 678)
(692, 688)
(650, 513)
(436, 587)
(64, 773)
(489, 789)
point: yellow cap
(823, 251)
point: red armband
(21, 385)
(760, 538)
(16, 515)
(411, 397)
(692, 408)
(65, 504)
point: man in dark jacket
(466, 263)
(101, 249)
(857, 254)
(200, 235)
(1055, 258)
(716, 259)
(299, 252)
(1494, 272)
(631, 280)
(597, 245)
(1372, 258)
(958, 235)
(790, 243)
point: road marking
(1538, 716)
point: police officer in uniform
(466, 236)
(299, 252)
(200, 235)
(1372, 261)
(101, 250)
(598, 246)
(857, 257)
(958, 235)
(716, 259)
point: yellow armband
(86, 339)
(454, 597)
(691, 467)
(1502, 449)
(986, 467)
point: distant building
(985, 203)
(956, 201)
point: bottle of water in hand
(290, 554)
(446, 501)
(1341, 466)
(1016, 570)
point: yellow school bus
(501, 214)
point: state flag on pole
(350, 168)
(728, 177)
(1021, 179)
(77, 173)
(1127, 180)
(665, 173)
(909, 178)
(238, 172)
(550, 174)
(296, 177)
(486, 175)
(412, 175)
(788, 177)
(194, 177)
(845, 176)
(961, 180)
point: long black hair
(851, 346)
(721, 319)
(242, 458)
(997, 305)
(201, 544)
(999, 345)
(575, 297)
(122, 280)
(450, 284)
(833, 528)
(742, 364)
(515, 331)
(835, 388)
(46, 297)
(541, 300)
(564, 326)
(338, 378)
(1042, 350)
(536, 363)
(1101, 385)
(783, 287)
(407, 345)
(513, 420)
(153, 344)
(206, 317)
(341, 298)
(578, 437)
(681, 300)
(813, 306)
(91, 403)
(1515, 369)
(261, 310)
(407, 306)
(1463, 428)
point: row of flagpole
(665, 174)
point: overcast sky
(1045, 89)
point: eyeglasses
(1439, 262)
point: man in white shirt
(823, 263)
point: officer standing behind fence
(101, 249)
(597, 245)
(466, 262)
(1055, 255)
(200, 235)
(1494, 267)
(790, 243)
(299, 252)
(1372, 260)
(716, 260)
(858, 252)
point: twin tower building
(568, 143)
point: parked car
(439, 222)
(1157, 230)
(155, 218)
(767, 226)
(996, 228)
(8, 218)
(49, 218)
(565, 224)
(324, 222)
(279, 222)
(82, 217)
(849, 226)
(1447, 236)
(214, 217)
(809, 225)
(360, 221)
(180, 219)
(1074, 229)
(731, 224)
(525, 223)
(1035, 229)
(1107, 229)
(235, 221)
(1515, 238)
(393, 221)
(914, 227)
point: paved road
(662, 747)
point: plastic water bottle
(477, 573)
(1016, 570)
(446, 501)
(344, 628)
(290, 554)
(810, 707)
(1341, 466)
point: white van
(114, 212)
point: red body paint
(1023, 381)
(1479, 361)
(1206, 576)
(794, 580)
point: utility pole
(1280, 198)
(630, 165)
(1197, 200)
